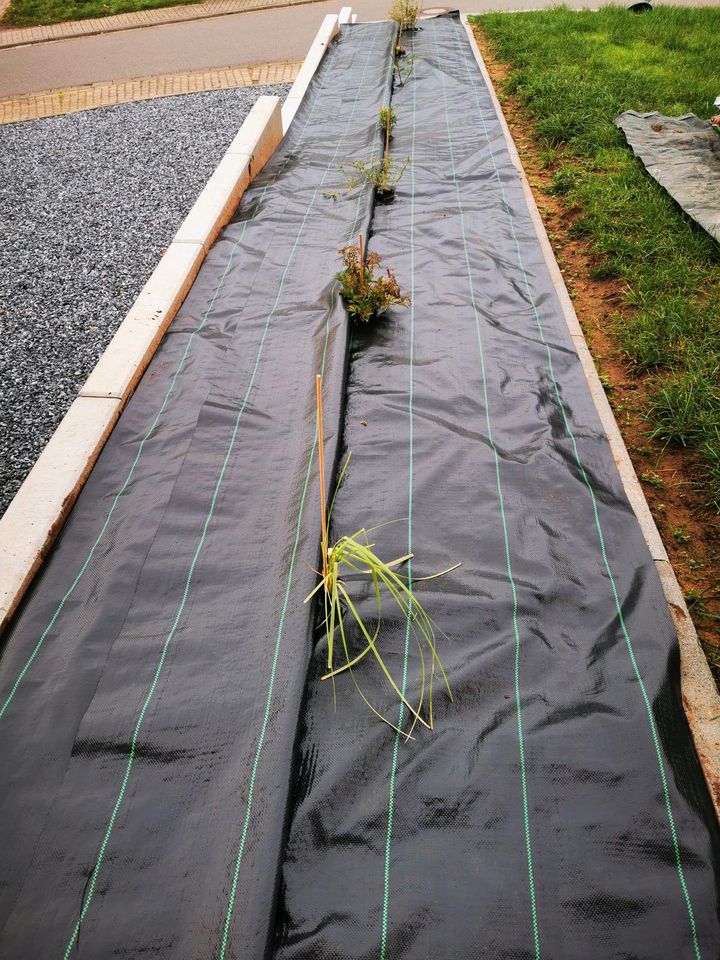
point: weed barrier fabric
(535, 819)
(683, 155)
(151, 683)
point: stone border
(328, 29)
(55, 103)
(38, 510)
(699, 692)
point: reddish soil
(689, 528)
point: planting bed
(179, 781)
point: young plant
(405, 13)
(403, 68)
(367, 296)
(383, 175)
(387, 118)
(354, 556)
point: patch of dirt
(689, 528)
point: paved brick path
(54, 102)
(130, 21)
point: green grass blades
(29, 13)
(354, 556)
(573, 72)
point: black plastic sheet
(151, 682)
(683, 155)
(557, 809)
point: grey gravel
(88, 202)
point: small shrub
(405, 13)
(383, 175)
(367, 296)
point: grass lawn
(651, 275)
(31, 13)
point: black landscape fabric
(151, 683)
(683, 155)
(177, 782)
(557, 810)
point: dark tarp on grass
(683, 155)
(439, 856)
(187, 624)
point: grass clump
(367, 296)
(573, 73)
(354, 557)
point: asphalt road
(241, 38)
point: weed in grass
(681, 407)
(605, 381)
(562, 182)
(652, 479)
(697, 601)
(610, 270)
(548, 158)
(367, 296)
(354, 557)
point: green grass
(33, 13)
(574, 72)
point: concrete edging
(36, 514)
(699, 692)
(328, 29)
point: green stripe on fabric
(408, 620)
(506, 539)
(188, 582)
(286, 599)
(603, 551)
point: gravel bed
(88, 202)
